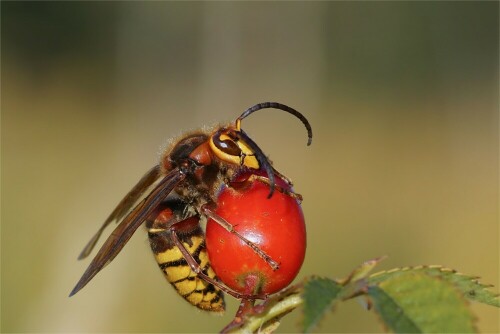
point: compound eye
(228, 147)
(226, 144)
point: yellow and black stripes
(177, 270)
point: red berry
(275, 225)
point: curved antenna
(261, 158)
(276, 105)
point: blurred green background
(402, 97)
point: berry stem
(266, 316)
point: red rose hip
(275, 225)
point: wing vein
(124, 231)
(124, 206)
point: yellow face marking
(247, 157)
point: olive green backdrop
(402, 97)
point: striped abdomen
(175, 266)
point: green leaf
(319, 295)
(414, 302)
(469, 286)
(390, 312)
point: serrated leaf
(414, 302)
(319, 296)
(469, 286)
(390, 312)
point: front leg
(242, 184)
